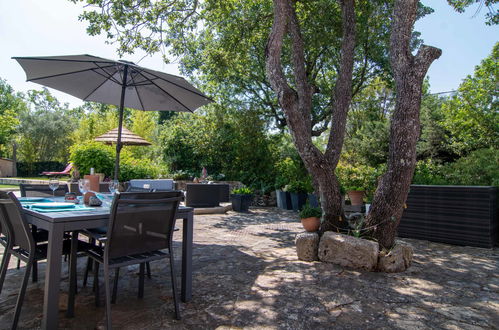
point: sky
(51, 27)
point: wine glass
(84, 186)
(113, 186)
(53, 184)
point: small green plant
(242, 191)
(181, 175)
(298, 187)
(308, 212)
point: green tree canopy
(472, 115)
(45, 128)
(492, 17)
(11, 106)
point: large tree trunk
(297, 104)
(409, 72)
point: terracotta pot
(311, 224)
(356, 197)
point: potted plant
(283, 199)
(310, 217)
(299, 194)
(356, 180)
(241, 199)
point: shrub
(242, 191)
(308, 211)
(428, 172)
(479, 168)
(93, 154)
(299, 186)
(360, 177)
(131, 168)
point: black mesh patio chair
(39, 235)
(20, 243)
(140, 230)
(17, 238)
(41, 190)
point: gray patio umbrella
(120, 83)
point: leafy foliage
(492, 16)
(225, 141)
(308, 211)
(93, 155)
(44, 132)
(242, 191)
(359, 177)
(472, 115)
(479, 168)
(11, 104)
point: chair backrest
(157, 185)
(141, 222)
(13, 223)
(68, 168)
(41, 190)
(138, 189)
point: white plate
(53, 205)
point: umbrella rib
(173, 83)
(152, 82)
(65, 73)
(136, 90)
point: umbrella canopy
(120, 83)
(127, 138)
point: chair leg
(87, 270)
(20, 298)
(3, 268)
(35, 271)
(96, 284)
(141, 280)
(115, 284)
(108, 296)
(18, 263)
(174, 285)
(148, 269)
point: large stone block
(348, 251)
(307, 245)
(397, 259)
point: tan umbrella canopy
(127, 138)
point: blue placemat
(76, 208)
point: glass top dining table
(70, 220)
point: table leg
(52, 278)
(187, 233)
(72, 274)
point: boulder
(397, 259)
(348, 251)
(307, 245)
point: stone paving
(247, 276)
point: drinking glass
(53, 184)
(84, 186)
(113, 186)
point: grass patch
(9, 186)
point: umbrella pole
(120, 125)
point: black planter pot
(298, 200)
(283, 200)
(312, 200)
(240, 202)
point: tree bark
(297, 103)
(409, 72)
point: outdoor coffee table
(56, 223)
